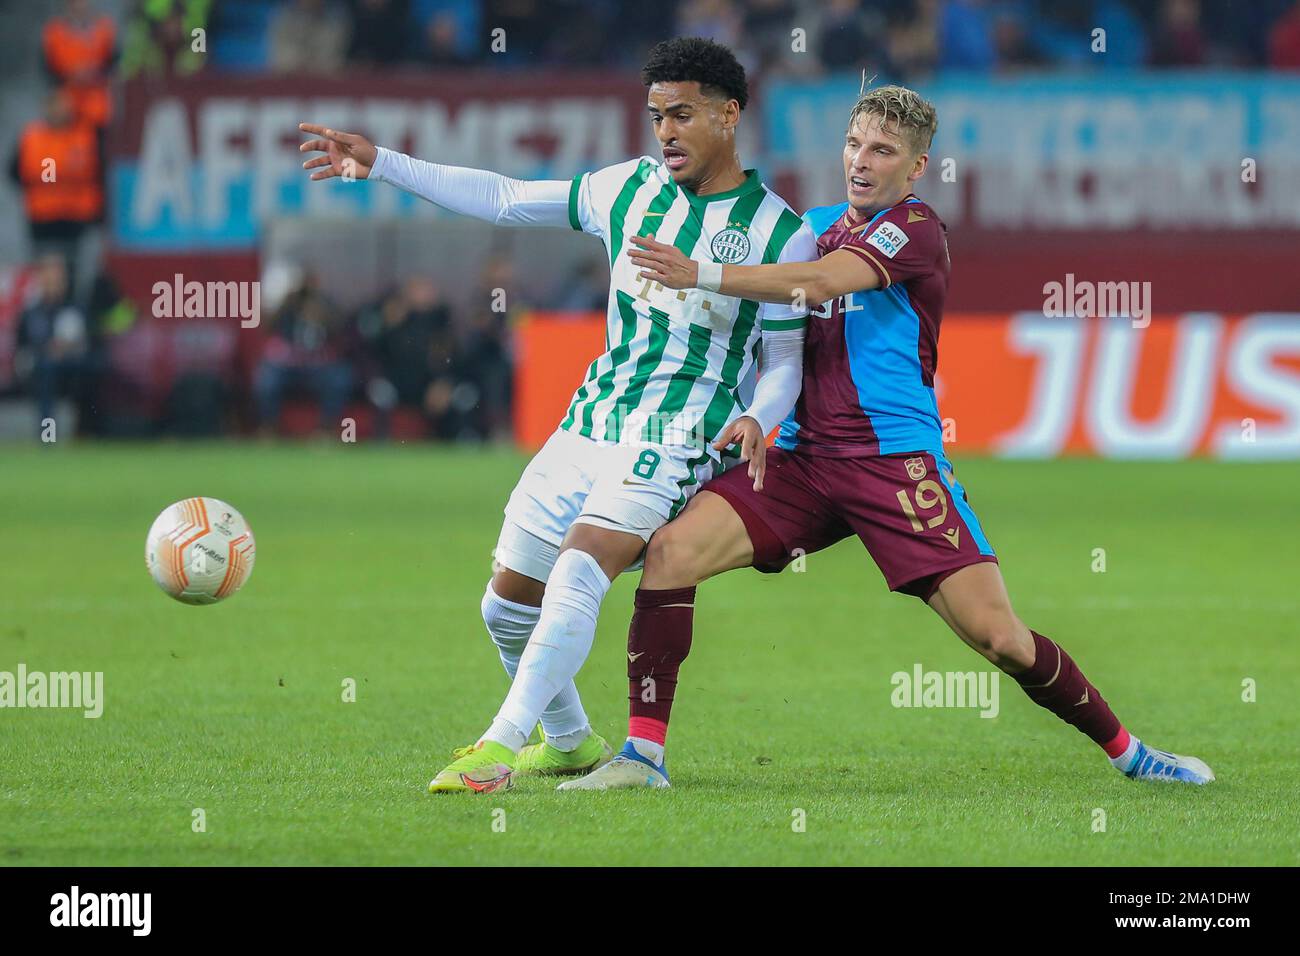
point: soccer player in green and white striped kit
(659, 410)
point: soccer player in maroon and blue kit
(861, 454)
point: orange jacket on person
(72, 190)
(80, 59)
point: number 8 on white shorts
(635, 488)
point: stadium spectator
(483, 368)
(1284, 41)
(112, 312)
(57, 165)
(912, 37)
(309, 36)
(452, 30)
(108, 314)
(79, 51)
(381, 31)
(51, 340)
(1241, 31)
(1178, 40)
(409, 339)
(443, 46)
(305, 351)
(480, 404)
(1015, 50)
(160, 38)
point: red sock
(1055, 682)
(657, 643)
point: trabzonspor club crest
(731, 245)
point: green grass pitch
(371, 562)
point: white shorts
(633, 488)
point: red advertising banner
(1027, 385)
(199, 166)
(202, 163)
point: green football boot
(480, 768)
(549, 761)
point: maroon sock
(657, 643)
(1055, 682)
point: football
(200, 550)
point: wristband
(709, 277)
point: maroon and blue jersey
(870, 357)
(868, 410)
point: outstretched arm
(835, 274)
(471, 192)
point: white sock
(567, 742)
(561, 640)
(1125, 760)
(649, 749)
(506, 733)
(510, 625)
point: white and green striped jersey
(678, 365)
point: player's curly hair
(686, 59)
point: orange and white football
(200, 550)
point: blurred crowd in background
(908, 37)
(417, 364)
(405, 364)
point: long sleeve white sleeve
(780, 379)
(476, 192)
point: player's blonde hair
(914, 115)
